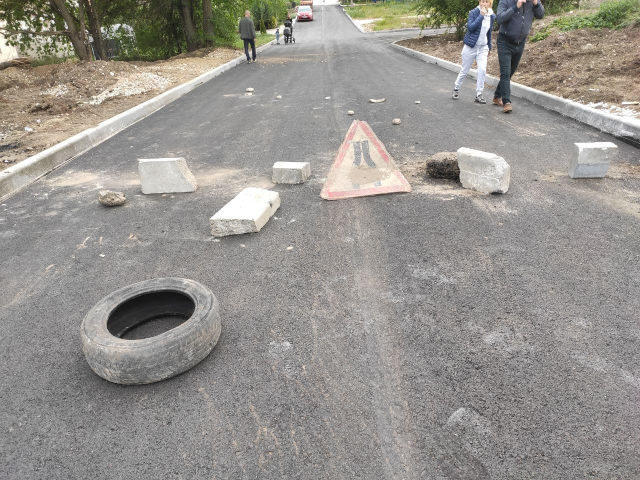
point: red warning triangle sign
(362, 167)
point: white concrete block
(246, 213)
(165, 175)
(592, 159)
(291, 172)
(482, 171)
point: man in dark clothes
(515, 18)
(247, 31)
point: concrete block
(165, 175)
(246, 213)
(592, 159)
(291, 172)
(482, 171)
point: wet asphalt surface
(439, 334)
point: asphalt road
(439, 334)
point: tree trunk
(75, 37)
(16, 62)
(189, 27)
(96, 31)
(207, 22)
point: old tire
(155, 358)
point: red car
(305, 13)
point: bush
(611, 14)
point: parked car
(305, 13)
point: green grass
(611, 14)
(380, 10)
(260, 40)
(51, 60)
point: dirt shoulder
(42, 106)
(598, 68)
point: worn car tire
(155, 358)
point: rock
(109, 198)
(591, 160)
(417, 102)
(248, 212)
(250, 90)
(396, 121)
(278, 97)
(377, 100)
(327, 98)
(165, 175)
(291, 172)
(248, 94)
(444, 165)
(351, 112)
(482, 171)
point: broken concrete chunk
(444, 165)
(291, 172)
(110, 198)
(246, 213)
(591, 160)
(483, 171)
(165, 175)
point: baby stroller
(288, 32)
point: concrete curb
(625, 129)
(26, 172)
(354, 23)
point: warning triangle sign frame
(388, 178)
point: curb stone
(627, 130)
(29, 170)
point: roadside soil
(598, 68)
(42, 106)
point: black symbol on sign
(361, 149)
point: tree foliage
(436, 13)
(162, 27)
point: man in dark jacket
(515, 18)
(247, 31)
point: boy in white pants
(477, 44)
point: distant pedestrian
(515, 18)
(477, 45)
(277, 36)
(247, 31)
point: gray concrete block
(482, 171)
(246, 213)
(165, 175)
(591, 160)
(291, 172)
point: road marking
(363, 167)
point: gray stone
(483, 171)
(444, 165)
(165, 175)
(246, 213)
(291, 172)
(592, 159)
(110, 198)
(396, 121)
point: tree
(60, 21)
(436, 13)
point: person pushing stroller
(288, 31)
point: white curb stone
(592, 159)
(291, 172)
(246, 213)
(482, 171)
(165, 175)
